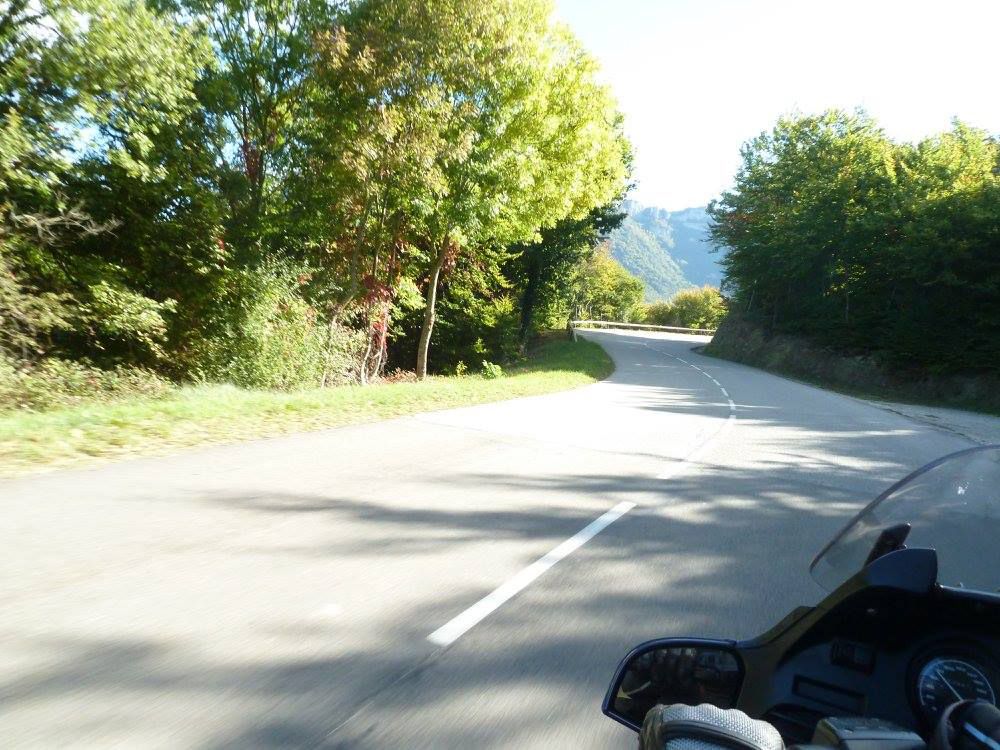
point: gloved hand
(705, 727)
(967, 725)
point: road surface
(379, 586)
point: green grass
(207, 414)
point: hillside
(668, 250)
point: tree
(544, 270)
(943, 271)
(253, 97)
(802, 216)
(837, 233)
(606, 291)
(520, 157)
(364, 165)
(443, 129)
(89, 81)
(70, 71)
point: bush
(118, 314)
(53, 383)
(278, 340)
(27, 316)
(659, 314)
(690, 308)
(492, 371)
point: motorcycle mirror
(674, 670)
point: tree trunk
(424, 345)
(363, 374)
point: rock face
(668, 250)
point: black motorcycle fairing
(855, 652)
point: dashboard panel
(892, 655)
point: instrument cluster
(950, 672)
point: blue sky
(696, 79)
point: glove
(705, 727)
(967, 725)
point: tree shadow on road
(720, 549)
(700, 556)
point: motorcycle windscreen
(952, 505)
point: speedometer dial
(944, 681)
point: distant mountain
(668, 250)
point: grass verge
(212, 414)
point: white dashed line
(699, 451)
(461, 624)
(457, 627)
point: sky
(697, 78)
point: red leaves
(375, 291)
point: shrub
(604, 290)
(699, 308)
(27, 316)
(492, 371)
(118, 314)
(659, 314)
(690, 308)
(53, 383)
(277, 339)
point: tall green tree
(253, 96)
(545, 145)
(838, 233)
(603, 290)
(364, 165)
(543, 271)
(454, 128)
(89, 81)
(942, 271)
(802, 218)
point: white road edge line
(457, 627)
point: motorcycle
(910, 627)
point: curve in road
(280, 593)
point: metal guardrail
(640, 326)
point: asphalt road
(282, 593)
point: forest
(296, 193)
(866, 245)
